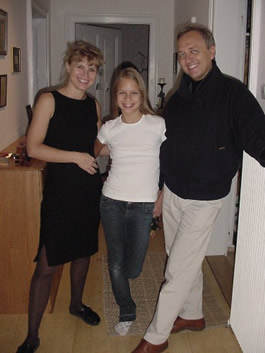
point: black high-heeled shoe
(89, 316)
(26, 347)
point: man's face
(194, 57)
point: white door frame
(45, 15)
(30, 52)
(223, 232)
(152, 21)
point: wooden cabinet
(20, 198)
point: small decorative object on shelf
(161, 95)
(21, 157)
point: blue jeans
(127, 231)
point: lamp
(161, 94)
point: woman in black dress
(62, 132)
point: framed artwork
(3, 32)
(16, 59)
(3, 90)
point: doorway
(119, 43)
(108, 40)
(223, 265)
(145, 59)
(38, 49)
(127, 47)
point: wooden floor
(223, 270)
(63, 333)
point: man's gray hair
(203, 30)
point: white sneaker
(123, 327)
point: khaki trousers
(188, 225)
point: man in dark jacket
(210, 121)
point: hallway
(63, 333)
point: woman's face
(82, 74)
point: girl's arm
(100, 149)
(42, 114)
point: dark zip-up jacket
(207, 131)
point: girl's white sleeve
(163, 130)
(102, 134)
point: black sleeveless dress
(70, 205)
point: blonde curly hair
(76, 51)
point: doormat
(145, 291)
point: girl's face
(128, 96)
(82, 74)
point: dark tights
(41, 286)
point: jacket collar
(185, 87)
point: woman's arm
(42, 114)
(99, 123)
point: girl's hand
(87, 163)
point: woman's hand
(86, 162)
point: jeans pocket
(104, 198)
(105, 202)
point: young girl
(62, 132)
(130, 194)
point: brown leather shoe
(146, 347)
(193, 325)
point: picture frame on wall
(16, 59)
(3, 32)
(3, 90)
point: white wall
(163, 9)
(43, 4)
(13, 118)
(228, 29)
(185, 10)
(258, 67)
